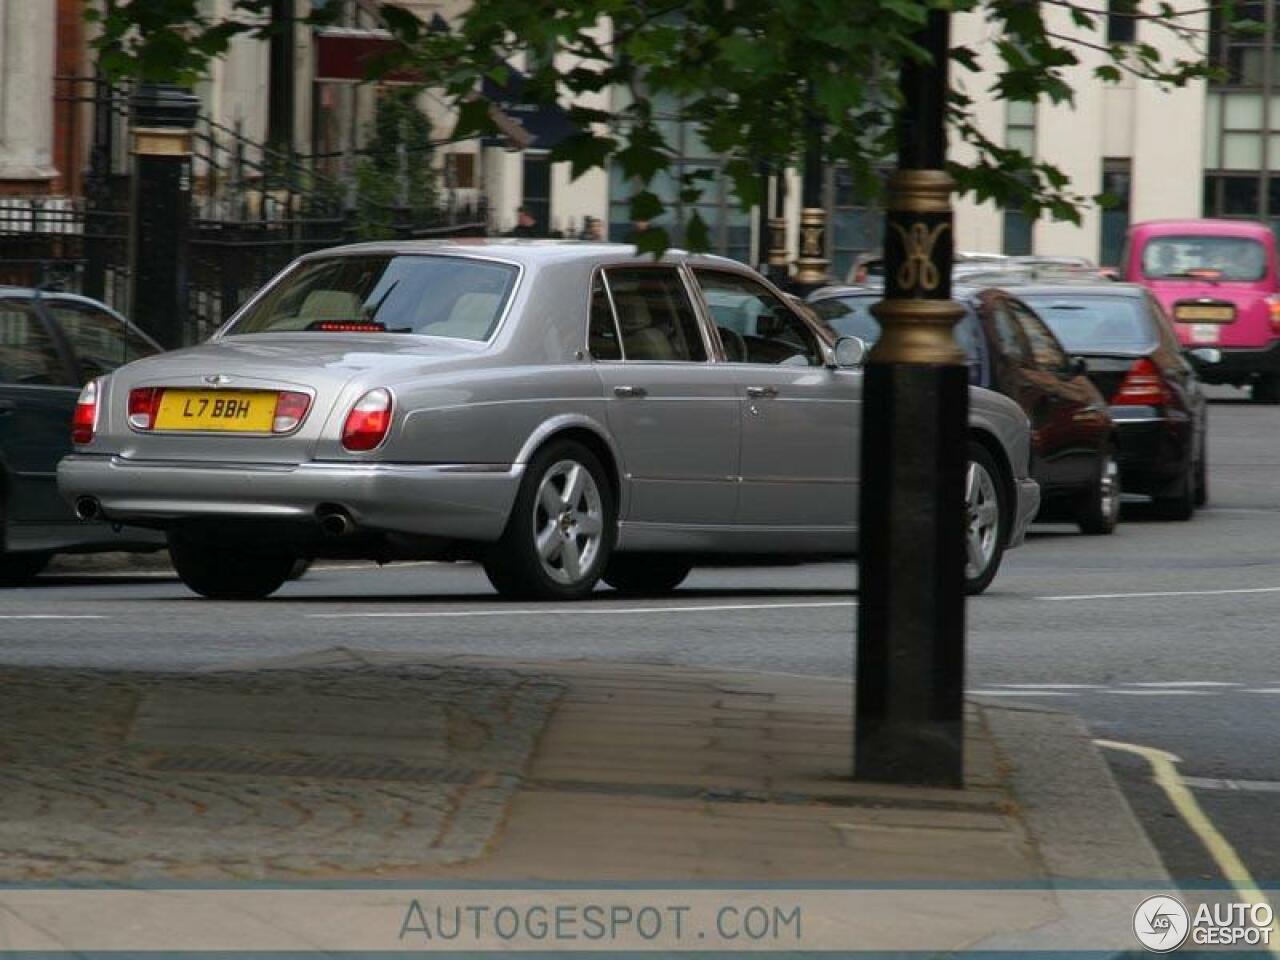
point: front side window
(101, 341)
(754, 325)
(434, 296)
(28, 354)
(1204, 257)
(655, 317)
(851, 316)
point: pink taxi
(1218, 281)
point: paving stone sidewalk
(250, 774)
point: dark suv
(51, 344)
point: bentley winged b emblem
(217, 380)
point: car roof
(1093, 288)
(527, 252)
(1202, 226)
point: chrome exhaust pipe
(88, 508)
(335, 522)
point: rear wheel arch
(589, 437)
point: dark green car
(51, 344)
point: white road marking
(1051, 686)
(1262, 690)
(1181, 683)
(1161, 593)
(51, 616)
(1247, 786)
(1021, 693)
(1165, 692)
(558, 611)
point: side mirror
(1077, 367)
(849, 352)
(1206, 354)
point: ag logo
(1161, 924)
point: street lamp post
(911, 601)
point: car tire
(560, 535)
(1180, 502)
(18, 569)
(1201, 497)
(1266, 389)
(987, 513)
(645, 574)
(1098, 509)
(228, 571)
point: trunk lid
(332, 369)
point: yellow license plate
(234, 411)
(1204, 313)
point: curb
(1076, 816)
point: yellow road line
(1164, 770)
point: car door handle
(762, 392)
(630, 392)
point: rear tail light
(1143, 386)
(84, 422)
(368, 421)
(1273, 310)
(144, 404)
(290, 409)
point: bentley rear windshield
(435, 296)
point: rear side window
(28, 354)
(1097, 323)
(101, 341)
(1045, 348)
(1195, 257)
(603, 339)
(655, 317)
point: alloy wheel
(568, 522)
(982, 514)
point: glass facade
(855, 223)
(1117, 176)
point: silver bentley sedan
(560, 412)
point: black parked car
(1157, 401)
(51, 344)
(1011, 351)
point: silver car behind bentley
(559, 412)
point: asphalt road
(1162, 635)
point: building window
(856, 222)
(1019, 134)
(1116, 177)
(728, 223)
(1241, 54)
(1122, 25)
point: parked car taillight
(85, 419)
(144, 404)
(1273, 308)
(291, 407)
(368, 421)
(1143, 386)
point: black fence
(253, 211)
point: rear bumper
(1027, 505)
(456, 501)
(1152, 447)
(1238, 364)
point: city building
(1199, 150)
